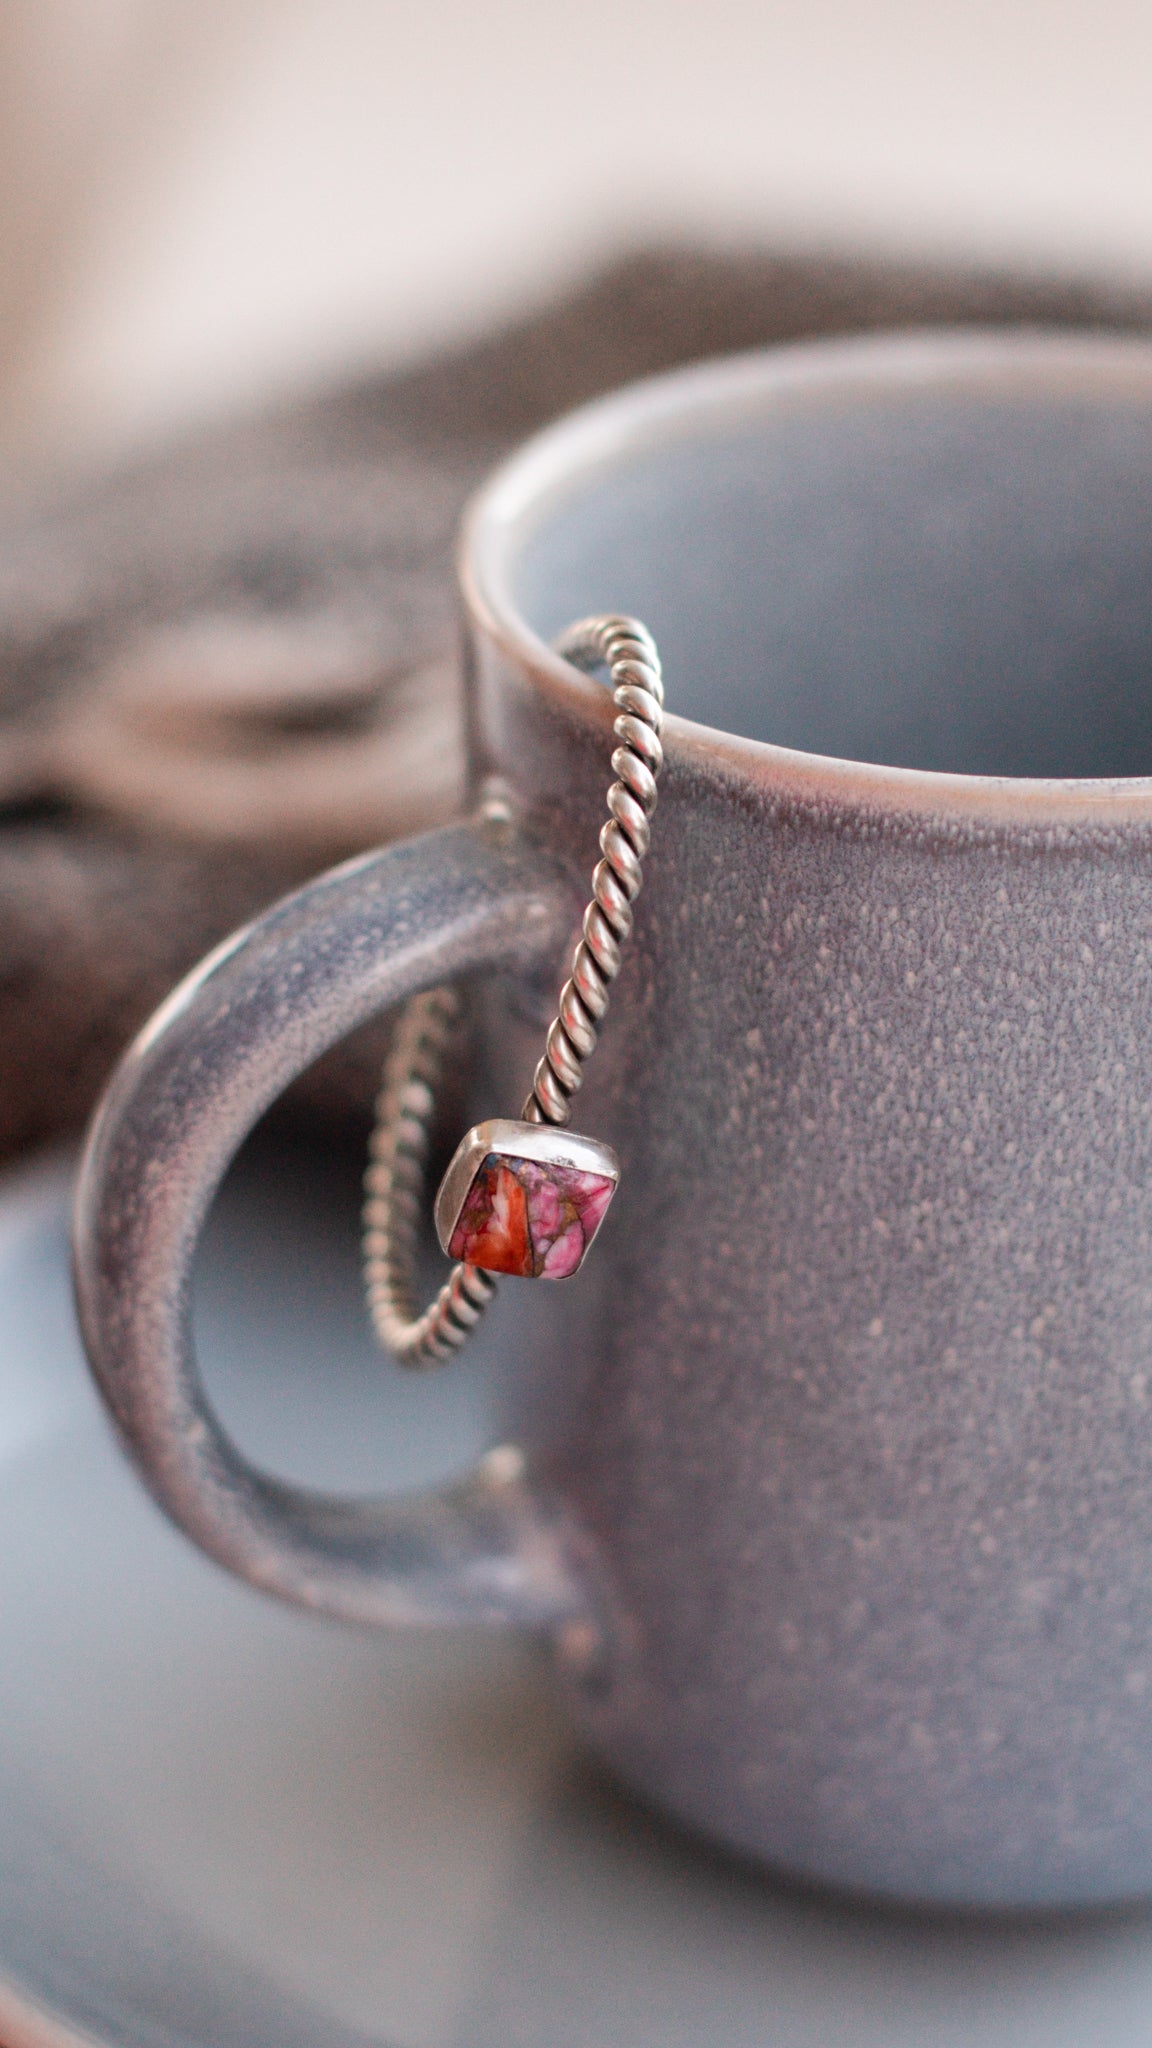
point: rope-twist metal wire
(394, 1182)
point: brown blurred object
(221, 669)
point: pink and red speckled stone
(524, 1217)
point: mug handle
(254, 1015)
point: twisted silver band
(394, 1182)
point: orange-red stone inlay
(525, 1217)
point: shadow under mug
(834, 1485)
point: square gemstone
(525, 1199)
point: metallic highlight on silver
(393, 1191)
(505, 1138)
(394, 1182)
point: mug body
(854, 1405)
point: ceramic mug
(834, 1480)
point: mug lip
(787, 378)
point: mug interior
(947, 571)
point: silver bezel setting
(506, 1138)
(394, 1183)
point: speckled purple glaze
(846, 1431)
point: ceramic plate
(224, 1823)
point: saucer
(224, 1824)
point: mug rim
(681, 403)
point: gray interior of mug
(923, 578)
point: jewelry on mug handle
(517, 1197)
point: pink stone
(564, 1253)
(526, 1217)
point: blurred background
(281, 280)
(204, 202)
